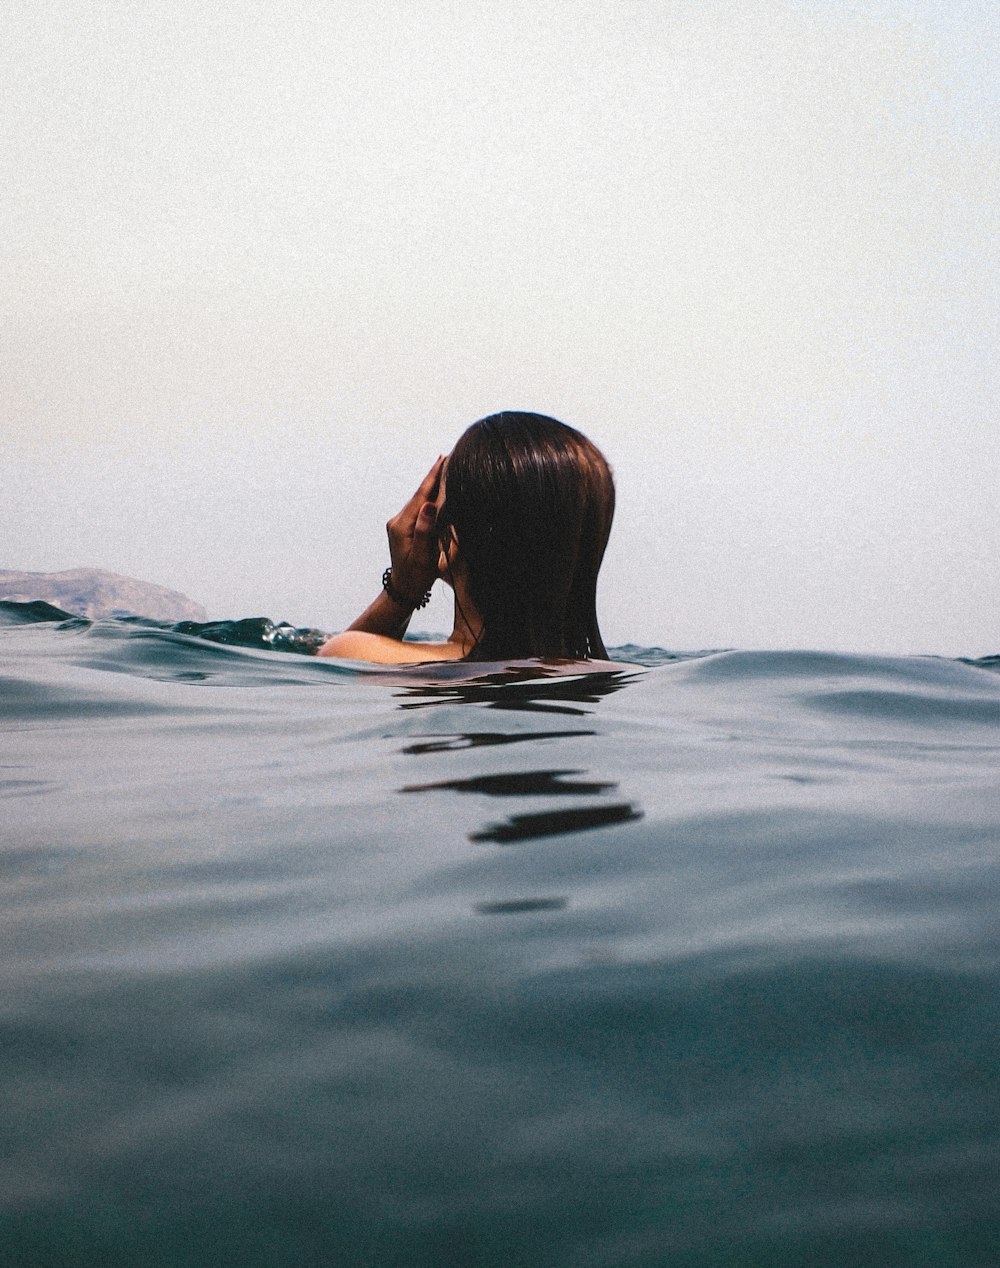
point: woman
(516, 521)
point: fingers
(424, 543)
(428, 486)
(414, 551)
(430, 480)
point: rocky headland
(96, 593)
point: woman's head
(530, 501)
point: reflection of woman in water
(515, 520)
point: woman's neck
(467, 627)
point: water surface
(690, 962)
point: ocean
(691, 962)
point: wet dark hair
(531, 501)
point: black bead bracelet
(396, 597)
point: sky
(264, 261)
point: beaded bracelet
(396, 597)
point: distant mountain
(94, 593)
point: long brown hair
(531, 502)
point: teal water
(692, 962)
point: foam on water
(692, 961)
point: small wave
(30, 613)
(24, 700)
(906, 706)
(253, 631)
(757, 665)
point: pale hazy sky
(263, 261)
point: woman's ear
(449, 555)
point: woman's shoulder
(379, 649)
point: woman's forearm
(384, 616)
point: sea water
(693, 961)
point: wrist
(399, 596)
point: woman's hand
(413, 544)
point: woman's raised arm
(413, 552)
